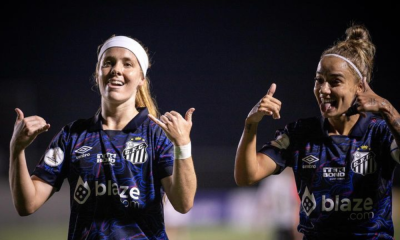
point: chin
(331, 114)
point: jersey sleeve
(278, 148)
(388, 144)
(52, 166)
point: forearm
(21, 184)
(183, 186)
(392, 118)
(246, 164)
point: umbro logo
(309, 160)
(83, 149)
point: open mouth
(116, 83)
(328, 104)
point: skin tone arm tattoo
(248, 126)
(372, 101)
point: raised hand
(268, 105)
(26, 130)
(369, 101)
(175, 126)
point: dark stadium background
(217, 56)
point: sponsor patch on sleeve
(281, 142)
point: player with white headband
(343, 162)
(120, 163)
(130, 44)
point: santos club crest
(135, 152)
(363, 161)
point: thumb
(366, 84)
(188, 115)
(20, 114)
(271, 89)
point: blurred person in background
(176, 223)
(278, 206)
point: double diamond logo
(308, 202)
(310, 159)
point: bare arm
(28, 193)
(250, 166)
(181, 186)
(369, 101)
(392, 118)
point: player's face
(119, 76)
(335, 86)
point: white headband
(130, 44)
(348, 61)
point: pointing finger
(157, 121)
(45, 128)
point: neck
(342, 125)
(117, 117)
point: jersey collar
(96, 123)
(358, 130)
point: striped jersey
(344, 182)
(114, 177)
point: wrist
(181, 142)
(183, 151)
(384, 107)
(250, 125)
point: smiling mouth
(116, 83)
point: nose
(116, 69)
(325, 88)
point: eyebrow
(330, 74)
(123, 58)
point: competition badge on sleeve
(54, 157)
(135, 151)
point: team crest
(363, 161)
(135, 151)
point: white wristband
(183, 152)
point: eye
(106, 64)
(334, 82)
(128, 64)
(319, 80)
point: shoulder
(79, 125)
(376, 119)
(377, 123)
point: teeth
(327, 100)
(116, 82)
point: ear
(142, 81)
(360, 86)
